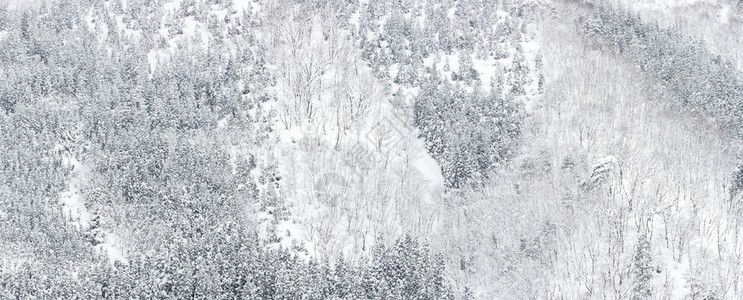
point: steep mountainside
(378, 149)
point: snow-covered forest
(371, 149)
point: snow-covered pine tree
(642, 269)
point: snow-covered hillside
(377, 149)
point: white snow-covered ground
(621, 161)
(671, 172)
(75, 210)
(72, 202)
(389, 185)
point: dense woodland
(392, 149)
(705, 81)
(78, 86)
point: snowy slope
(352, 173)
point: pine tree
(643, 270)
(540, 83)
(519, 73)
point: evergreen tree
(643, 270)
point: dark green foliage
(643, 269)
(32, 175)
(402, 40)
(542, 246)
(704, 81)
(735, 189)
(234, 265)
(406, 271)
(520, 73)
(158, 171)
(468, 134)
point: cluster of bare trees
(349, 183)
(322, 80)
